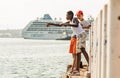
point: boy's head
(69, 15)
(79, 15)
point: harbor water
(23, 58)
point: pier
(104, 47)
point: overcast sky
(16, 14)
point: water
(21, 58)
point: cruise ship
(37, 29)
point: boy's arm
(71, 25)
(86, 27)
(86, 24)
(48, 24)
(74, 24)
(59, 25)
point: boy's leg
(85, 55)
(74, 62)
(82, 48)
(78, 52)
(78, 61)
(77, 64)
(74, 53)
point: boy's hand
(48, 24)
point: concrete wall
(105, 44)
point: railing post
(113, 50)
(104, 42)
(99, 37)
(93, 49)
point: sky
(16, 14)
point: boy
(77, 29)
(85, 25)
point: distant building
(11, 33)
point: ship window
(38, 24)
(44, 28)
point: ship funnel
(47, 17)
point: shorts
(72, 48)
(81, 42)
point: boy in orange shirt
(73, 22)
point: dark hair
(70, 13)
